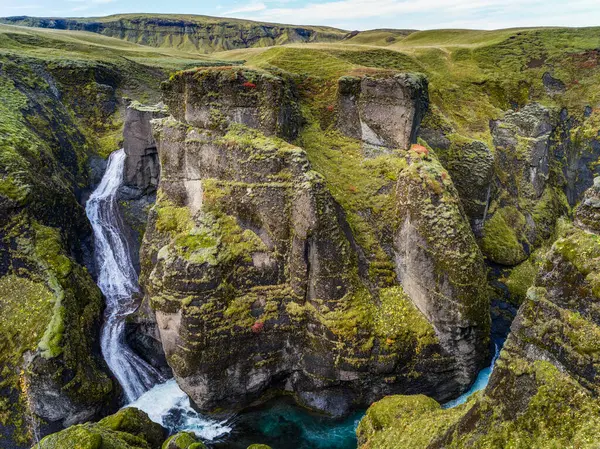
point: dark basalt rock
(553, 85)
(383, 112)
(252, 269)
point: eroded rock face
(588, 211)
(212, 99)
(543, 391)
(141, 167)
(382, 112)
(51, 309)
(439, 263)
(204, 34)
(527, 201)
(471, 166)
(255, 277)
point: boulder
(129, 428)
(382, 112)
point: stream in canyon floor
(278, 423)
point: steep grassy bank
(61, 107)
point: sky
(345, 14)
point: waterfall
(118, 281)
(143, 385)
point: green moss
(127, 429)
(520, 279)
(363, 187)
(26, 312)
(183, 440)
(172, 219)
(582, 249)
(259, 446)
(405, 422)
(503, 237)
(397, 320)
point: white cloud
(253, 7)
(427, 14)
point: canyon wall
(252, 269)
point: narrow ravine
(143, 385)
(278, 423)
(118, 281)
(483, 378)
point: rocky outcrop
(383, 113)
(528, 197)
(471, 166)
(439, 263)
(130, 428)
(213, 99)
(252, 269)
(191, 33)
(588, 212)
(543, 391)
(140, 180)
(141, 166)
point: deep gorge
(323, 235)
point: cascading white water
(118, 281)
(165, 402)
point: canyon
(351, 222)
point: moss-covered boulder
(183, 440)
(130, 428)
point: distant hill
(188, 32)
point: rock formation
(192, 33)
(252, 269)
(543, 391)
(382, 112)
(130, 428)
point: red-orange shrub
(257, 327)
(420, 149)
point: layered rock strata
(255, 276)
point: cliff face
(544, 389)
(189, 33)
(51, 307)
(382, 113)
(252, 268)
